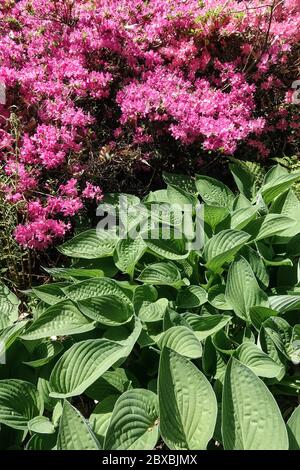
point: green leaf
(74, 431)
(145, 293)
(182, 340)
(191, 297)
(50, 293)
(259, 314)
(167, 243)
(251, 419)
(41, 425)
(9, 335)
(86, 361)
(206, 325)
(96, 288)
(223, 247)
(187, 183)
(242, 289)
(244, 179)
(44, 353)
(284, 303)
(293, 428)
(90, 244)
(128, 252)
(187, 403)
(153, 311)
(213, 215)
(161, 274)
(19, 403)
(60, 319)
(258, 361)
(100, 418)
(278, 185)
(268, 226)
(108, 309)
(112, 382)
(216, 297)
(134, 422)
(9, 305)
(214, 192)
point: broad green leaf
(206, 325)
(108, 309)
(9, 305)
(187, 183)
(153, 311)
(182, 340)
(223, 247)
(60, 319)
(180, 197)
(161, 274)
(145, 293)
(191, 297)
(127, 253)
(9, 335)
(42, 442)
(74, 431)
(94, 243)
(96, 288)
(278, 185)
(216, 297)
(167, 243)
(258, 265)
(213, 215)
(293, 428)
(134, 422)
(244, 179)
(19, 403)
(242, 289)
(112, 382)
(259, 314)
(269, 225)
(284, 303)
(258, 361)
(187, 403)
(82, 364)
(100, 418)
(241, 217)
(214, 192)
(51, 293)
(251, 419)
(44, 353)
(41, 425)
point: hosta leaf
(90, 244)
(222, 248)
(9, 335)
(161, 274)
(242, 289)
(100, 418)
(134, 422)
(259, 314)
(214, 192)
(258, 361)
(60, 319)
(112, 382)
(258, 266)
(180, 197)
(278, 185)
(128, 252)
(145, 293)
(74, 431)
(182, 340)
(19, 403)
(44, 353)
(41, 425)
(293, 427)
(206, 325)
(153, 311)
(167, 243)
(86, 361)
(191, 297)
(216, 297)
(187, 183)
(108, 309)
(213, 215)
(42, 442)
(9, 304)
(251, 419)
(268, 226)
(50, 293)
(241, 217)
(244, 179)
(284, 303)
(96, 288)
(187, 403)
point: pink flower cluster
(209, 74)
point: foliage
(131, 80)
(148, 339)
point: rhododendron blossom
(210, 75)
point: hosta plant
(186, 341)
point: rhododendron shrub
(213, 77)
